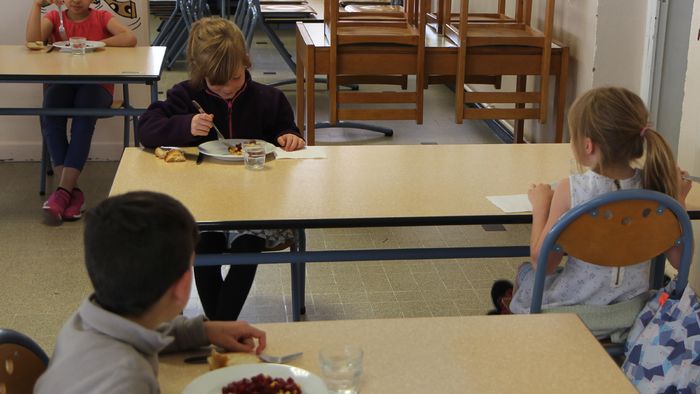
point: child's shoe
(55, 207)
(75, 209)
(501, 295)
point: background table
(552, 353)
(313, 51)
(137, 65)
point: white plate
(89, 45)
(218, 150)
(212, 382)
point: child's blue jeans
(72, 154)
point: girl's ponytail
(660, 172)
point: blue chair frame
(597, 208)
(592, 207)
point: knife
(692, 178)
(219, 136)
(202, 359)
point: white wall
(620, 44)
(689, 138)
(606, 42)
(20, 138)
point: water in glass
(341, 367)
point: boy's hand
(201, 124)
(540, 196)
(237, 336)
(290, 142)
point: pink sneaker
(55, 206)
(75, 209)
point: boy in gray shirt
(139, 250)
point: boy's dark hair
(136, 246)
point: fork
(202, 359)
(219, 136)
(61, 28)
(279, 359)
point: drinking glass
(77, 45)
(254, 156)
(341, 367)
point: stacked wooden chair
(444, 16)
(375, 47)
(518, 34)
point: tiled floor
(43, 279)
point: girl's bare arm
(38, 28)
(121, 35)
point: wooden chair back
(21, 362)
(468, 34)
(373, 48)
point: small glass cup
(254, 156)
(77, 45)
(341, 367)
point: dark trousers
(71, 154)
(223, 299)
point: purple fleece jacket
(257, 112)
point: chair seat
(375, 8)
(607, 321)
(360, 33)
(474, 18)
(483, 34)
(365, 2)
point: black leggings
(224, 299)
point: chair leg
(45, 166)
(135, 120)
(298, 271)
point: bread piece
(35, 45)
(174, 156)
(160, 152)
(219, 360)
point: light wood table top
(18, 63)
(374, 183)
(551, 353)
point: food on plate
(262, 384)
(219, 360)
(35, 45)
(170, 155)
(238, 148)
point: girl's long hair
(617, 121)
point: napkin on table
(309, 152)
(512, 203)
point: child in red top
(69, 157)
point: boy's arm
(188, 333)
(546, 210)
(38, 28)
(168, 122)
(236, 336)
(121, 35)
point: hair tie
(644, 131)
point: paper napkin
(512, 203)
(309, 152)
